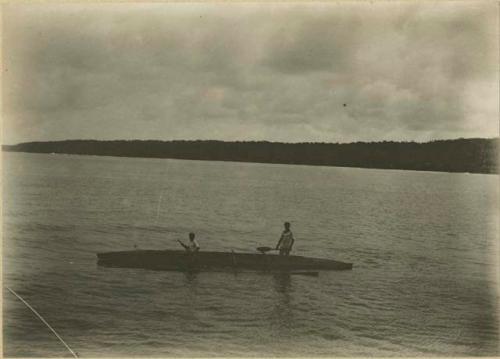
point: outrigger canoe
(178, 260)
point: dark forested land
(461, 155)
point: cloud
(278, 72)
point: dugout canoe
(178, 260)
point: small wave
(331, 336)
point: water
(424, 248)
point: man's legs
(285, 251)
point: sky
(288, 72)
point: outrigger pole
(43, 321)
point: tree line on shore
(475, 155)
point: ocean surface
(424, 247)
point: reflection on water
(190, 278)
(282, 283)
(282, 314)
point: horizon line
(259, 141)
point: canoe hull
(172, 260)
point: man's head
(191, 236)
(287, 225)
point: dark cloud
(323, 43)
(251, 71)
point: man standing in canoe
(192, 246)
(286, 241)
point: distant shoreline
(461, 155)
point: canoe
(178, 260)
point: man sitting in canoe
(192, 246)
(286, 241)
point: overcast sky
(279, 72)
